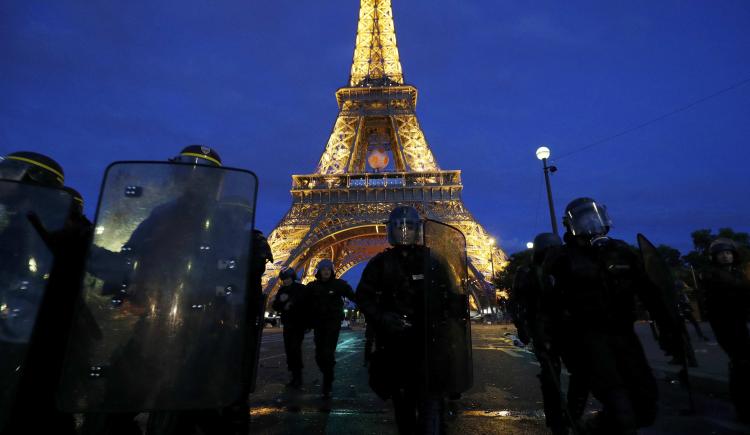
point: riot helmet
(201, 179)
(31, 167)
(722, 244)
(404, 226)
(542, 243)
(77, 200)
(198, 155)
(586, 217)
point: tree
(503, 280)
(671, 256)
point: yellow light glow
(376, 53)
(32, 265)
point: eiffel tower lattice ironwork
(376, 157)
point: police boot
(739, 388)
(296, 381)
(431, 418)
(327, 385)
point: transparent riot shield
(448, 359)
(167, 280)
(25, 265)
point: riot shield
(661, 277)
(167, 280)
(25, 265)
(448, 356)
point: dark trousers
(293, 337)
(29, 397)
(369, 342)
(326, 339)
(616, 370)
(549, 378)
(733, 336)
(417, 413)
(690, 318)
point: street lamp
(529, 245)
(542, 153)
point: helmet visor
(404, 231)
(12, 170)
(16, 170)
(590, 219)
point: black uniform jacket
(325, 297)
(596, 286)
(292, 302)
(727, 291)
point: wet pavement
(505, 398)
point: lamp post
(542, 153)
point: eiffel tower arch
(377, 157)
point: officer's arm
(347, 291)
(554, 277)
(366, 297)
(515, 301)
(516, 305)
(277, 304)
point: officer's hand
(393, 322)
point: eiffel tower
(376, 158)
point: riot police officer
(595, 279)
(402, 292)
(291, 301)
(34, 409)
(530, 312)
(327, 311)
(727, 290)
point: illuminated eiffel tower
(376, 157)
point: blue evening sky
(93, 82)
